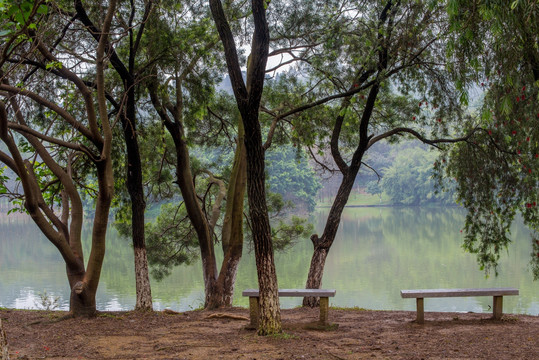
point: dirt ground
(196, 335)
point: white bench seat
(496, 293)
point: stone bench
(496, 293)
(324, 296)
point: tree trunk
(194, 211)
(269, 312)
(248, 95)
(138, 204)
(134, 167)
(269, 315)
(223, 291)
(4, 353)
(323, 244)
(142, 280)
(82, 300)
(316, 271)
(232, 233)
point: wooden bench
(496, 293)
(323, 294)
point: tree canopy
(496, 173)
(90, 92)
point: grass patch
(283, 336)
(54, 315)
(354, 308)
(109, 315)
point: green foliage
(3, 181)
(285, 234)
(374, 188)
(170, 240)
(291, 176)
(495, 43)
(47, 302)
(409, 181)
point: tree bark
(82, 300)
(232, 232)
(138, 204)
(316, 271)
(4, 352)
(269, 310)
(194, 211)
(133, 166)
(323, 244)
(142, 280)
(248, 95)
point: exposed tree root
(170, 312)
(227, 316)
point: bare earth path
(192, 335)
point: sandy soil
(195, 335)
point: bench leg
(420, 311)
(253, 311)
(497, 307)
(324, 308)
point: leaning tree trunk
(316, 271)
(323, 244)
(194, 211)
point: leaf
(42, 9)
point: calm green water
(378, 251)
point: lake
(378, 252)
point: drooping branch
(320, 163)
(433, 142)
(372, 169)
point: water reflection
(378, 251)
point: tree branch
(52, 106)
(52, 140)
(433, 142)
